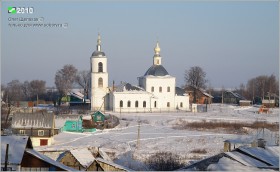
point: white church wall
(131, 96)
(182, 103)
(166, 99)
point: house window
(155, 104)
(181, 104)
(22, 132)
(168, 89)
(128, 104)
(144, 104)
(152, 89)
(40, 132)
(121, 103)
(100, 82)
(100, 67)
(136, 104)
(160, 89)
(168, 104)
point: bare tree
(164, 161)
(26, 90)
(262, 85)
(195, 79)
(83, 79)
(38, 87)
(12, 94)
(64, 79)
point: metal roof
(17, 145)
(34, 120)
(98, 53)
(156, 70)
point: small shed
(98, 117)
(73, 125)
(244, 102)
(80, 159)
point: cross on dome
(157, 49)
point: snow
(226, 164)
(84, 156)
(157, 134)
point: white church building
(156, 91)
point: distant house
(73, 123)
(202, 96)
(230, 97)
(271, 101)
(61, 119)
(22, 157)
(39, 126)
(75, 98)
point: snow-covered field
(157, 134)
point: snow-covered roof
(270, 156)
(84, 156)
(17, 145)
(87, 117)
(113, 164)
(128, 87)
(202, 91)
(34, 120)
(245, 160)
(61, 119)
(227, 164)
(242, 158)
(49, 160)
(104, 155)
(236, 95)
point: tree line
(258, 87)
(68, 76)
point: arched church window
(181, 104)
(168, 104)
(100, 67)
(136, 104)
(168, 89)
(100, 82)
(157, 61)
(152, 89)
(160, 89)
(144, 104)
(121, 103)
(128, 104)
(155, 104)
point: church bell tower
(99, 78)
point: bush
(199, 151)
(164, 161)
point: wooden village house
(85, 160)
(17, 154)
(202, 97)
(39, 126)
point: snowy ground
(157, 134)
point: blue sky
(231, 41)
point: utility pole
(138, 135)
(6, 158)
